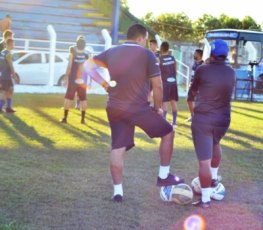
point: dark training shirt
(168, 67)
(214, 83)
(131, 66)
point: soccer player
(168, 73)
(6, 35)
(198, 54)
(7, 72)
(73, 80)
(154, 48)
(133, 67)
(213, 84)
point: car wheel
(61, 79)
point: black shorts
(73, 88)
(6, 85)
(205, 136)
(170, 92)
(123, 124)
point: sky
(196, 8)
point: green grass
(56, 176)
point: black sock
(83, 115)
(65, 113)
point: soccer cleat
(64, 120)
(117, 198)
(202, 204)
(170, 180)
(10, 110)
(189, 119)
(83, 121)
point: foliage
(178, 27)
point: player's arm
(70, 61)
(157, 88)
(90, 67)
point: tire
(60, 81)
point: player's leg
(2, 96)
(9, 95)
(71, 90)
(174, 111)
(83, 102)
(203, 143)
(166, 100)
(173, 101)
(122, 137)
(219, 132)
(190, 105)
(155, 126)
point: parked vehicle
(32, 67)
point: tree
(176, 27)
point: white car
(32, 67)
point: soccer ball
(165, 193)
(196, 186)
(182, 194)
(218, 192)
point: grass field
(56, 176)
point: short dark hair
(7, 33)
(153, 41)
(199, 51)
(136, 31)
(165, 46)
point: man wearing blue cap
(213, 85)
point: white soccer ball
(182, 194)
(165, 193)
(196, 186)
(218, 192)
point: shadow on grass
(26, 131)
(85, 135)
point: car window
(32, 59)
(57, 58)
(18, 55)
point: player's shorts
(205, 136)
(73, 88)
(123, 124)
(6, 84)
(170, 92)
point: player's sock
(164, 171)
(206, 193)
(83, 113)
(2, 102)
(66, 113)
(214, 172)
(118, 190)
(174, 117)
(9, 103)
(164, 114)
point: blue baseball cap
(219, 48)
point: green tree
(176, 27)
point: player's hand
(65, 81)
(16, 78)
